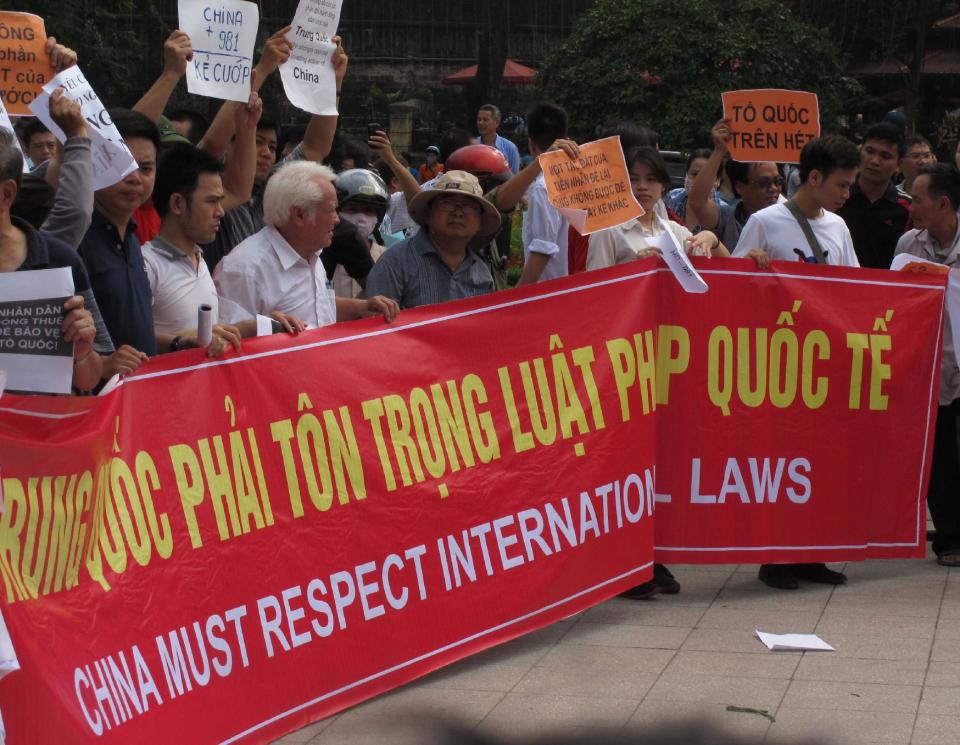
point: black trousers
(943, 496)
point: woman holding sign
(637, 239)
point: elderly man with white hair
(279, 268)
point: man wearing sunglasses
(757, 184)
(437, 264)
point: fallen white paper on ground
(676, 258)
(793, 642)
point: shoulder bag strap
(807, 231)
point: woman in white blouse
(637, 239)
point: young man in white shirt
(188, 195)
(544, 228)
(828, 168)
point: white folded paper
(793, 642)
(676, 258)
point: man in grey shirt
(437, 264)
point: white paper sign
(308, 76)
(32, 351)
(676, 258)
(112, 159)
(793, 642)
(223, 34)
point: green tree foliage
(872, 30)
(119, 42)
(666, 62)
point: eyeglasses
(445, 204)
(920, 156)
(766, 183)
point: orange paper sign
(24, 64)
(593, 191)
(771, 124)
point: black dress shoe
(819, 573)
(665, 580)
(780, 576)
(642, 592)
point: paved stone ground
(894, 678)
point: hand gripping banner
(226, 550)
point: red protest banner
(770, 124)
(301, 527)
(797, 414)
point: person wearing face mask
(362, 201)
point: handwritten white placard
(308, 76)
(223, 34)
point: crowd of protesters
(298, 226)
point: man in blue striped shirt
(437, 264)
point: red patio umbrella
(513, 74)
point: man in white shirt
(828, 168)
(279, 268)
(188, 195)
(544, 228)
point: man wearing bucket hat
(437, 264)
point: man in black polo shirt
(875, 214)
(111, 251)
(22, 248)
